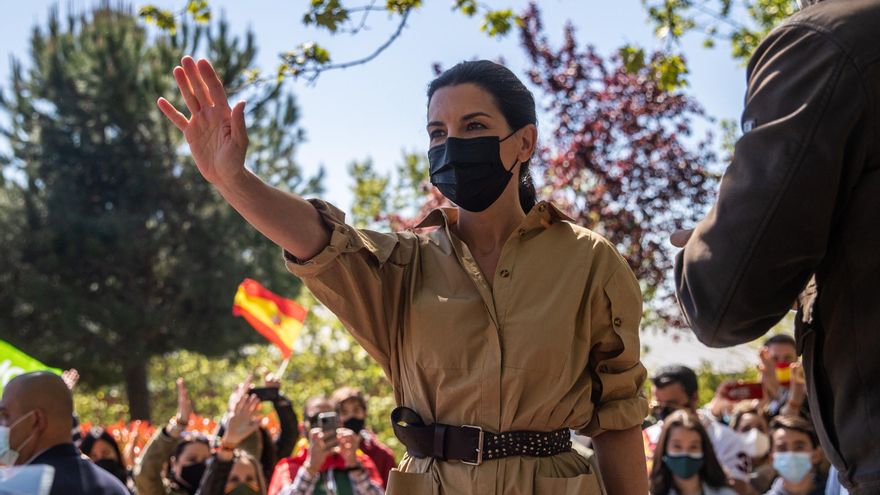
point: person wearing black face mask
(102, 449)
(501, 330)
(351, 407)
(185, 455)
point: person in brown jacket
(801, 203)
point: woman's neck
(803, 486)
(690, 486)
(486, 232)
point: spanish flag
(278, 319)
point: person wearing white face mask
(35, 413)
(751, 426)
(796, 453)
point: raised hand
(242, 420)
(184, 404)
(70, 378)
(216, 134)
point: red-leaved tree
(621, 156)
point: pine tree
(117, 250)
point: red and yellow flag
(278, 319)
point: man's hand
(318, 451)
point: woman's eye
(472, 126)
(437, 133)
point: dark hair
(312, 402)
(348, 393)
(91, 438)
(511, 97)
(677, 373)
(795, 423)
(711, 473)
(741, 410)
(186, 439)
(781, 338)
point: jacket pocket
(585, 484)
(401, 483)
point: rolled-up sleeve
(361, 276)
(614, 363)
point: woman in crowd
(102, 449)
(500, 331)
(232, 471)
(684, 462)
(184, 454)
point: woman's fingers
(173, 114)
(196, 81)
(186, 90)
(215, 87)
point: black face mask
(469, 172)
(114, 468)
(191, 476)
(354, 424)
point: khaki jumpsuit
(552, 343)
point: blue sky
(378, 110)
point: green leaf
(163, 19)
(200, 11)
(670, 71)
(467, 7)
(402, 6)
(497, 22)
(633, 58)
(328, 14)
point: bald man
(37, 407)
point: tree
(621, 157)
(741, 23)
(309, 59)
(121, 251)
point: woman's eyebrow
(464, 118)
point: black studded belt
(470, 444)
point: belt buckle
(479, 449)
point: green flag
(14, 362)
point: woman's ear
(528, 140)
(818, 455)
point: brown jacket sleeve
(750, 257)
(148, 467)
(361, 276)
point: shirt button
(541, 207)
(618, 322)
(505, 273)
(522, 231)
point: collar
(542, 215)
(60, 450)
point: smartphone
(265, 394)
(783, 373)
(328, 422)
(745, 391)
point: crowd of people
(760, 444)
